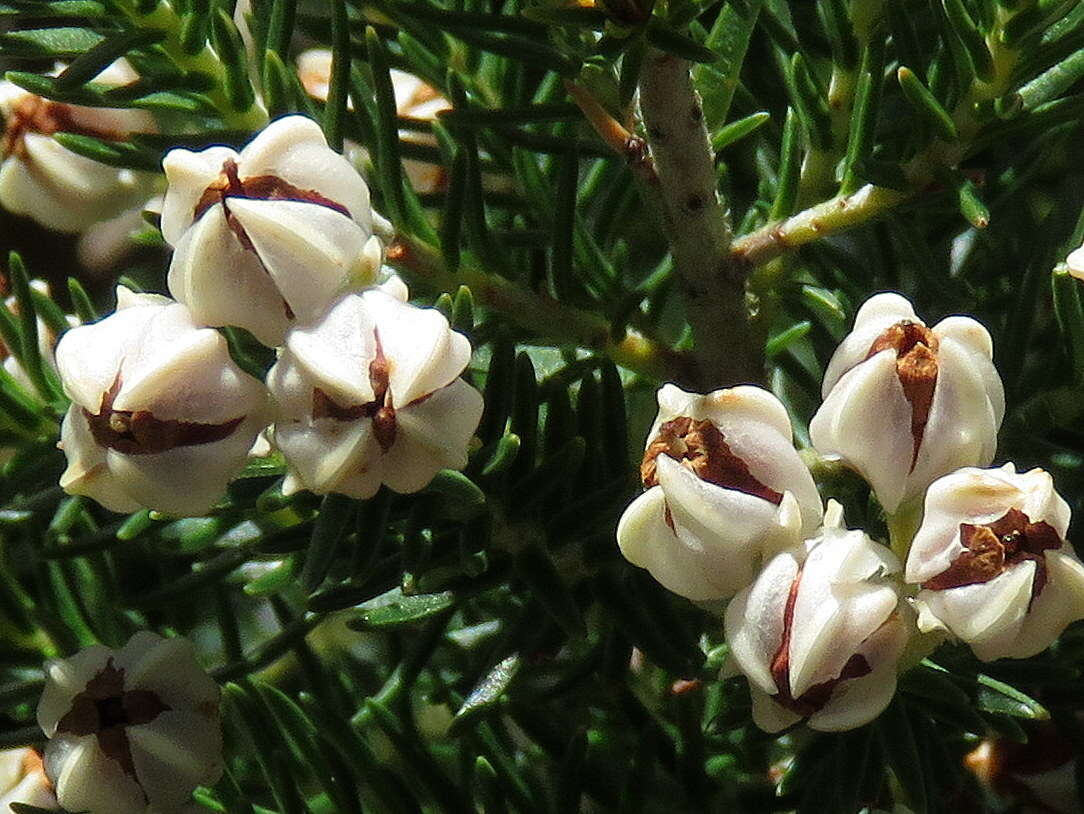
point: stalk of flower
(268, 235)
(820, 632)
(130, 728)
(23, 780)
(414, 99)
(993, 562)
(370, 394)
(49, 183)
(905, 404)
(725, 489)
(161, 417)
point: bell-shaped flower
(371, 394)
(268, 235)
(1075, 263)
(130, 728)
(23, 780)
(45, 181)
(819, 633)
(905, 404)
(993, 563)
(161, 417)
(725, 489)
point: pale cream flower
(725, 490)
(905, 404)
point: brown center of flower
(701, 447)
(105, 709)
(380, 409)
(916, 366)
(140, 433)
(33, 114)
(814, 698)
(991, 549)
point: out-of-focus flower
(103, 246)
(46, 344)
(725, 490)
(993, 562)
(819, 633)
(23, 780)
(414, 99)
(161, 417)
(131, 727)
(905, 404)
(370, 394)
(1036, 777)
(60, 189)
(268, 235)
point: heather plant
(541, 405)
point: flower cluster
(279, 239)
(818, 618)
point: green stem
(165, 19)
(544, 317)
(871, 201)
(902, 527)
(697, 222)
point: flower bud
(23, 780)
(819, 633)
(905, 404)
(60, 189)
(1075, 263)
(161, 417)
(993, 562)
(46, 344)
(370, 394)
(269, 235)
(725, 489)
(131, 727)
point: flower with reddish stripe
(130, 728)
(905, 404)
(819, 633)
(268, 235)
(371, 394)
(993, 562)
(44, 180)
(725, 488)
(161, 417)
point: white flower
(819, 633)
(370, 394)
(414, 99)
(725, 490)
(23, 780)
(161, 416)
(905, 404)
(993, 562)
(60, 189)
(1075, 263)
(268, 235)
(130, 727)
(46, 345)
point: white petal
(169, 668)
(986, 609)
(65, 679)
(90, 781)
(189, 174)
(173, 754)
(876, 315)
(432, 435)
(294, 149)
(335, 353)
(768, 715)
(1059, 603)
(88, 472)
(310, 251)
(223, 283)
(646, 541)
(866, 419)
